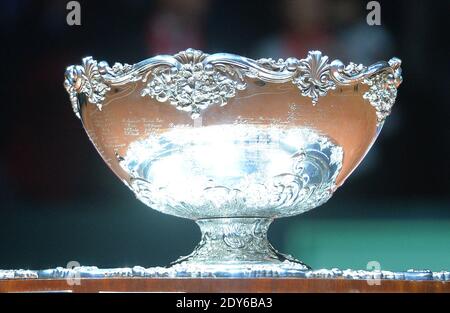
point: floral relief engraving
(381, 94)
(192, 80)
(195, 85)
(236, 239)
(309, 180)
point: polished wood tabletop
(253, 285)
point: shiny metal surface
(257, 271)
(230, 142)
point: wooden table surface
(218, 285)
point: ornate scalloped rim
(192, 80)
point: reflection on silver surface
(233, 171)
(232, 142)
(256, 271)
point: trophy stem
(238, 246)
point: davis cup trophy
(233, 143)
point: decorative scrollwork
(143, 190)
(313, 77)
(194, 84)
(192, 80)
(190, 270)
(290, 64)
(232, 239)
(309, 179)
(92, 79)
(85, 79)
(116, 70)
(353, 69)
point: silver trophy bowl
(233, 143)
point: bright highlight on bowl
(232, 142)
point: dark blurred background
(60, 203)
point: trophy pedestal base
(236, 247)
